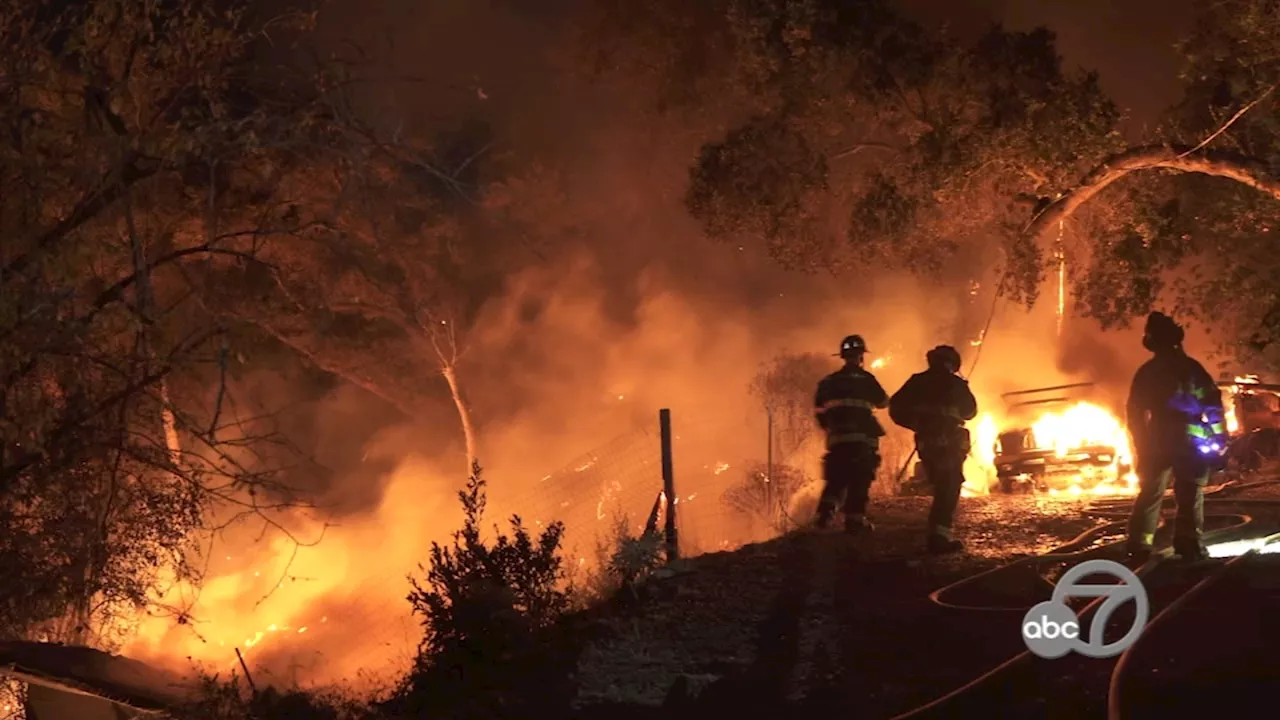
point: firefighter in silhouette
(844, 404)
(935, 405)
(1176, 422)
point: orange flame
(1081, 425)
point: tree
(142, 140)
(785, 387)
(859, 141)
(1195, 205)
(764, 495)
(368, 293)
(964, 138)
(1187, 220)
(876, 143)
(396, 261)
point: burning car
(1251, 404)
(1054, 443)
(1253, 421)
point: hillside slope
(819, 617)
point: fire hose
(1119, 672)
(1086, 546)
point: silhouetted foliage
(234, 700)
(1207, 243)
(856, 140)
(493, 645)
(634, 557)
(763, 180)
(785, 386)
(886, 143)
(132, 156)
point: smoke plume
(568, 363)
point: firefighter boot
(942, 545)
(1138, 548)
(1138, 555)
(857, 524)
(1190, 549)
(826, 512)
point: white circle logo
(1051, 629)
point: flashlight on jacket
(1210, 447)
(1209, 434)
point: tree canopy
(177, 209)
(868, 141)
(144, 145)
(887, 144)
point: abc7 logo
(1051, 629)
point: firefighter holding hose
(1176, 422)
(935, 405)
(844, 405)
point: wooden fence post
(669, 486)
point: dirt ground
(826, 621)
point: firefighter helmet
(852, 346)
(1161, 332)
(944, 357)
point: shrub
(764, 499)
(218, 700)
(494, 645)
(621, 560)
(635, 557)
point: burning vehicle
(1250, 404)
(1053, 442)
(1252, 420)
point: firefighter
(844, 405)
(1176, 422)
(935, 405)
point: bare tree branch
(1230, 121)
(1247, 171)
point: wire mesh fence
(717, 462)
(369, 638)
(615, 482)
(623, 478)
(590, 494)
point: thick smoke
(579, 349)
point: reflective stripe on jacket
(844, 404)
(1174, 405)
(933, 403)
(846, 438)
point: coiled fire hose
(1119, 673)
(1083, 547)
